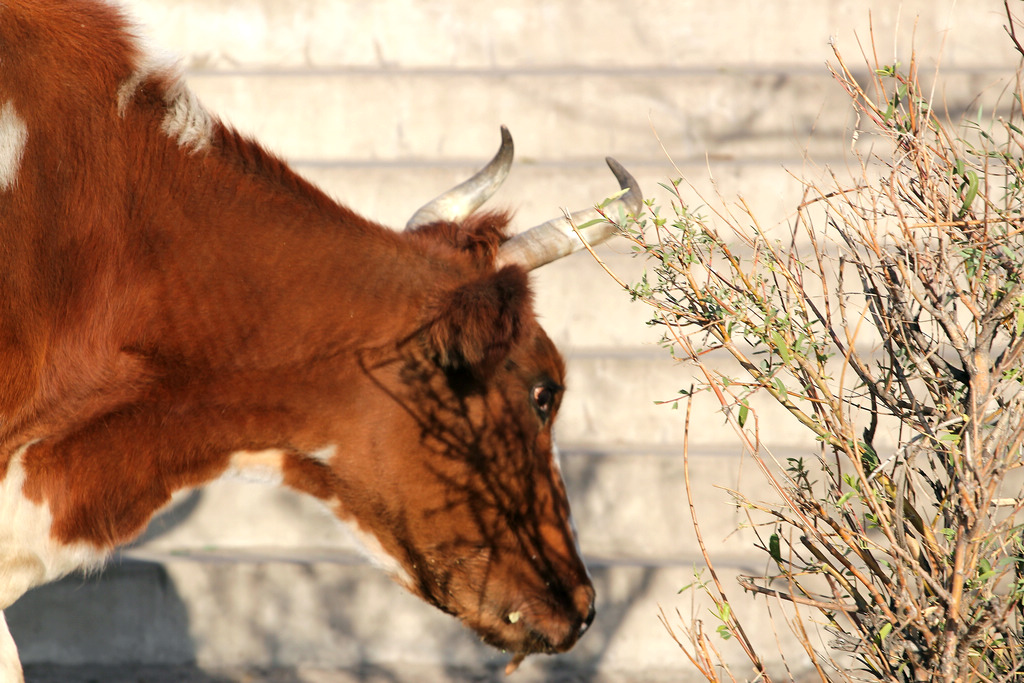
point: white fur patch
(266, 467)
(186, 121)
(13, 138)
(325, 454)
(10, 666)
(556, 460)
(259, 467)
(29, 556)
(371, 548)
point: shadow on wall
(145, 621)
(87, 626)
(103, 629)
(131, 612)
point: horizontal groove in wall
(556, 71)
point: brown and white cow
(176, 304)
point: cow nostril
(588, 620)
(584, 599)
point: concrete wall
(386, 103)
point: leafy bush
(890, 323)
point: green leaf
(868, 458)
(971, 183)
(724, 611)
(774, 548)
(744, 413)
(779, 342)
(884, 631)
(613, 197)
(985, 571)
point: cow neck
(245, 272)
(260, 267)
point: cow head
(458, 489)
(473, 507)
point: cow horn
(556, 238)
(465, 198)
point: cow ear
(476, 325)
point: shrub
(890, 323)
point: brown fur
(161, 309)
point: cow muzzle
(544, 628)
(540, 624)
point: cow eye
(543, 398)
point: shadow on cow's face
(462, 488)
